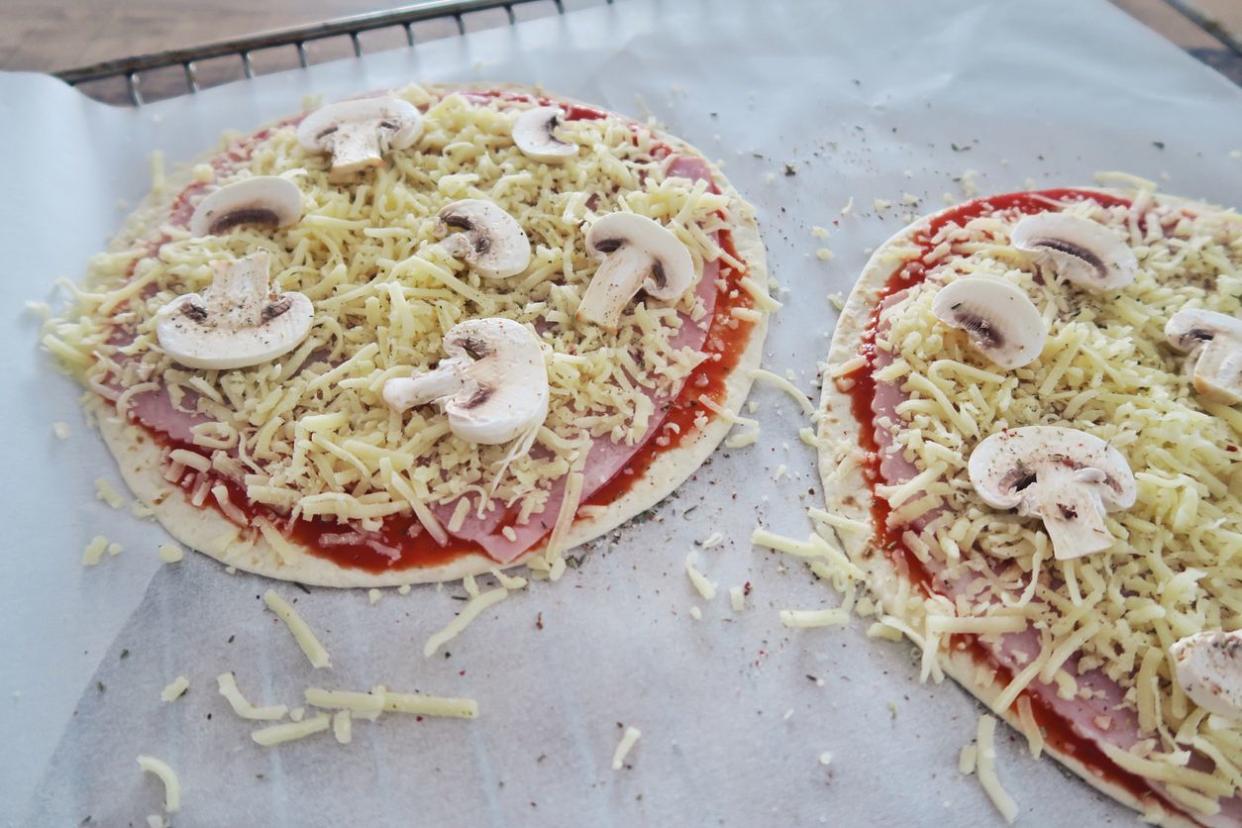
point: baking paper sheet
(859, 100)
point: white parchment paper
(868, 101)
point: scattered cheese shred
(302, 634)
(291, 731)
(94, 550)
(702, 584)
(473, 608)
(833, 617)
(175, 689)
(342, 728)
(61, 430)
(243, 708)
(105, 491)
(170, 554)
(628, 740)
(737, 598)
(966, 759)
(166, 775)
(788, 387)
(986, 762)
(364, 705)
(420, 705)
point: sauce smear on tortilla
(1056, 729)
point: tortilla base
(847, 493)
(207, 530)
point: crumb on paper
(404, 589)
(825, 758)
(819, 232)
(105, 491)
(848, 208)
(737, 598)
(967, 182)
(881, 204)
(94, 551)
(373, 596)
(61, 430)
(696, 613)
(170, 553)
(628, 740)
(824, 254)
(714, 539)
(836, 300)
(175, 689)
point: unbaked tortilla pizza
(1029, 446)
(421, 334)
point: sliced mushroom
(487, 238)
(1067, 477)
(1209, 669)
(534, 133)
(264, 199)
(236, 322)
(637, 253)
(1077, 249)
(1000, 319)
(359, 132)
(493, 383)
(1215, 341)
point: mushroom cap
(486, 237)
(1006, 463)
(999, 318)
(399, 117)
(1086, 253)
(1208, 666)
(671, 271)
(1214, 341)
(263, 199)
(1192, 328)
(534, 133)
(493, 384)
(236, 322)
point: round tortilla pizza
(299, 465)
(1078, 635)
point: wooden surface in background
(51, 35)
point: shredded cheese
(788, 387)
(701, 583)
(228, 688)
(301, 631)
(105, 491)
(175, 689)
(94, 550)
(834, 617)
(342, 728)
(172, 785)
(291, 731)
(986, 766)
(170, 554)
(628, 740)
(473, 608)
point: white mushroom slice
(486, 238)
(1079, 250)
(1000, 319)
(637, 253)
(493, 383)
(359, 132)
(236, 322)
(1067, 477)
(534, 133)
(1209, 669)
(1216, 339)
(264, 199)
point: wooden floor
(51, 35)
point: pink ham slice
(1099, 719)
(606, 458)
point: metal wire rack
(459, 14)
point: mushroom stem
(616, 280)
(354, 147)
(243, 290)
(446, 380)
(1073, 513)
